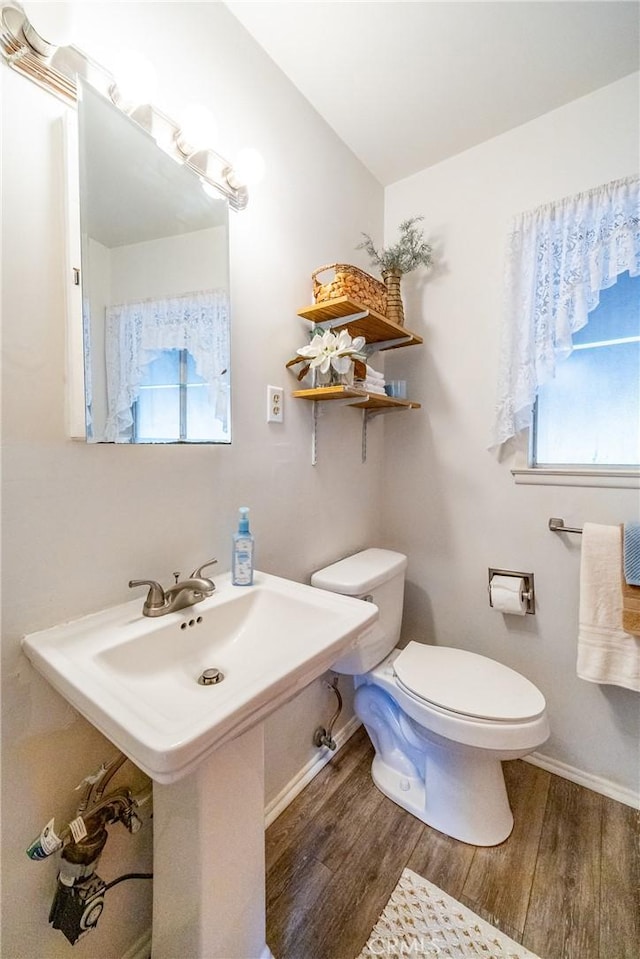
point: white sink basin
(136, 678)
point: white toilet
(440, 719)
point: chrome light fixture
(56, 68)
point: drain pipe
(79, 896)
(322, 736)
(117, 807)
(101, 779)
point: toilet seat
(467, 684)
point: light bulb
(135, 81)
(210, 189)
(198, 130)
(248, 169)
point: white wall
(173, 265)
(451, 505)
(80, 521)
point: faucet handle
(197, 573)
(155, 597)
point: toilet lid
(466, 683)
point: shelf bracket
(315, 414)
(370, 414)
(314, 432)
(341, 320)
(365, 420)
(377, 346)
(366, 416)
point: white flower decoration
(330, 350)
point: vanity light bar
(206, 164)
(57, 74)
(21, 57)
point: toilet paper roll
(507, 594)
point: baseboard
(295, 786)
(141, 949)
(596, 783)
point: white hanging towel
(606, 653)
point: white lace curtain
(137, 333)
(559, 258)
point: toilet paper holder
(528, 591)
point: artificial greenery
(409, 252)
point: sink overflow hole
(211, 676)
(192, 622)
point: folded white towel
(373, 374)
(606, 653)
(371, 386)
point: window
(560, 257)
(145, 333)
(174, 403)
(588, 415)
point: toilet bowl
(441, 719)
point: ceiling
(408, 84)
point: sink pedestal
(209, 861)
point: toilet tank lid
(359, 574)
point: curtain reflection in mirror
(137, 335)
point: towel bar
(556, 525)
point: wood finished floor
(565, 884)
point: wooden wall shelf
(375, 327)
(375, 401)
(330, 393)
(380, 334)
(362, 399)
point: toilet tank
(376, 575)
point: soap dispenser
(242, 559)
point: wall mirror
(155, 287)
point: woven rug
(421, 921)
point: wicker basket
(352, 282)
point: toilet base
(457, 788)
(465, 796)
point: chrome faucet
(183, 593)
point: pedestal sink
(137, 680)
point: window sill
(608, 479)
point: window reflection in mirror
(155, 288)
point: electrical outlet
(275, 404)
